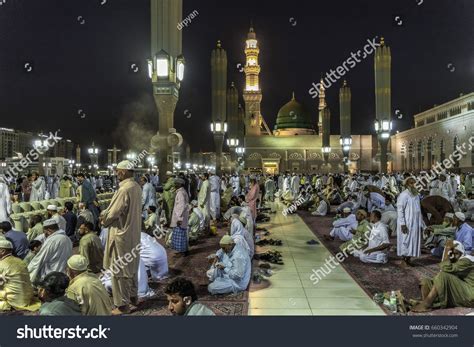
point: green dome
(293, 115)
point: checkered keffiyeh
(179, 239)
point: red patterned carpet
(376, 278)
(194, 267)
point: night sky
(81, 52)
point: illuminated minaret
(324, 124)
(322, 106)
(252, 91)
(383, 97)
(345, 120)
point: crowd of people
(81, 260)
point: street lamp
(233, 142)
(162, 60)
(346, 143)
(180, 63)
(218, 127)
(94, 154)
(326, 150)
(383, 128)
(240, 150)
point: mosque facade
(296, 142)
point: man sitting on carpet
(16, 291)
(232, 273)
(342, 227)
(379, 243)
(323, 206)
(453, 286)
(182, 299)
(460, 231)
(439, 234)
(360, 238)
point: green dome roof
(293, 115)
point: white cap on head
(169, 173)
(459, 247)
(49, 222)
(52, 208)
(346, 210)
(449, 215)
(78, 262)
(461, 216)
(126, 165)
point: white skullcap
(461, 216)
(78, 262)
(5, 244)
(458, 246)
(347, 210)
(169, 173)
(52, 208)
(126, 165)
(449, 215)
(49, 222)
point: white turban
(461, 216)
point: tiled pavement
(292, 292)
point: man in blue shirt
(17, 238)
(71, 219)
(88, 195)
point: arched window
(455, 148)
(403, 154)
(411, 158)
(421, 154)
(429, 150)
(442, 155)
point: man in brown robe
(121, 256)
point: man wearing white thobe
(154, 257)
(410, 223)
(215, 201)
(38, 187)
(379, 243)
(269, 189)
(342, 227)
(204, 197)
(235, 182)
(148, 195)
(5, 202)
(233, 274)
(237, 229)
(295, 185)
(322, 208)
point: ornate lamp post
(383, 97)
(219, 100)
(166, 71)
(345, 121)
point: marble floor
(291, 291)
